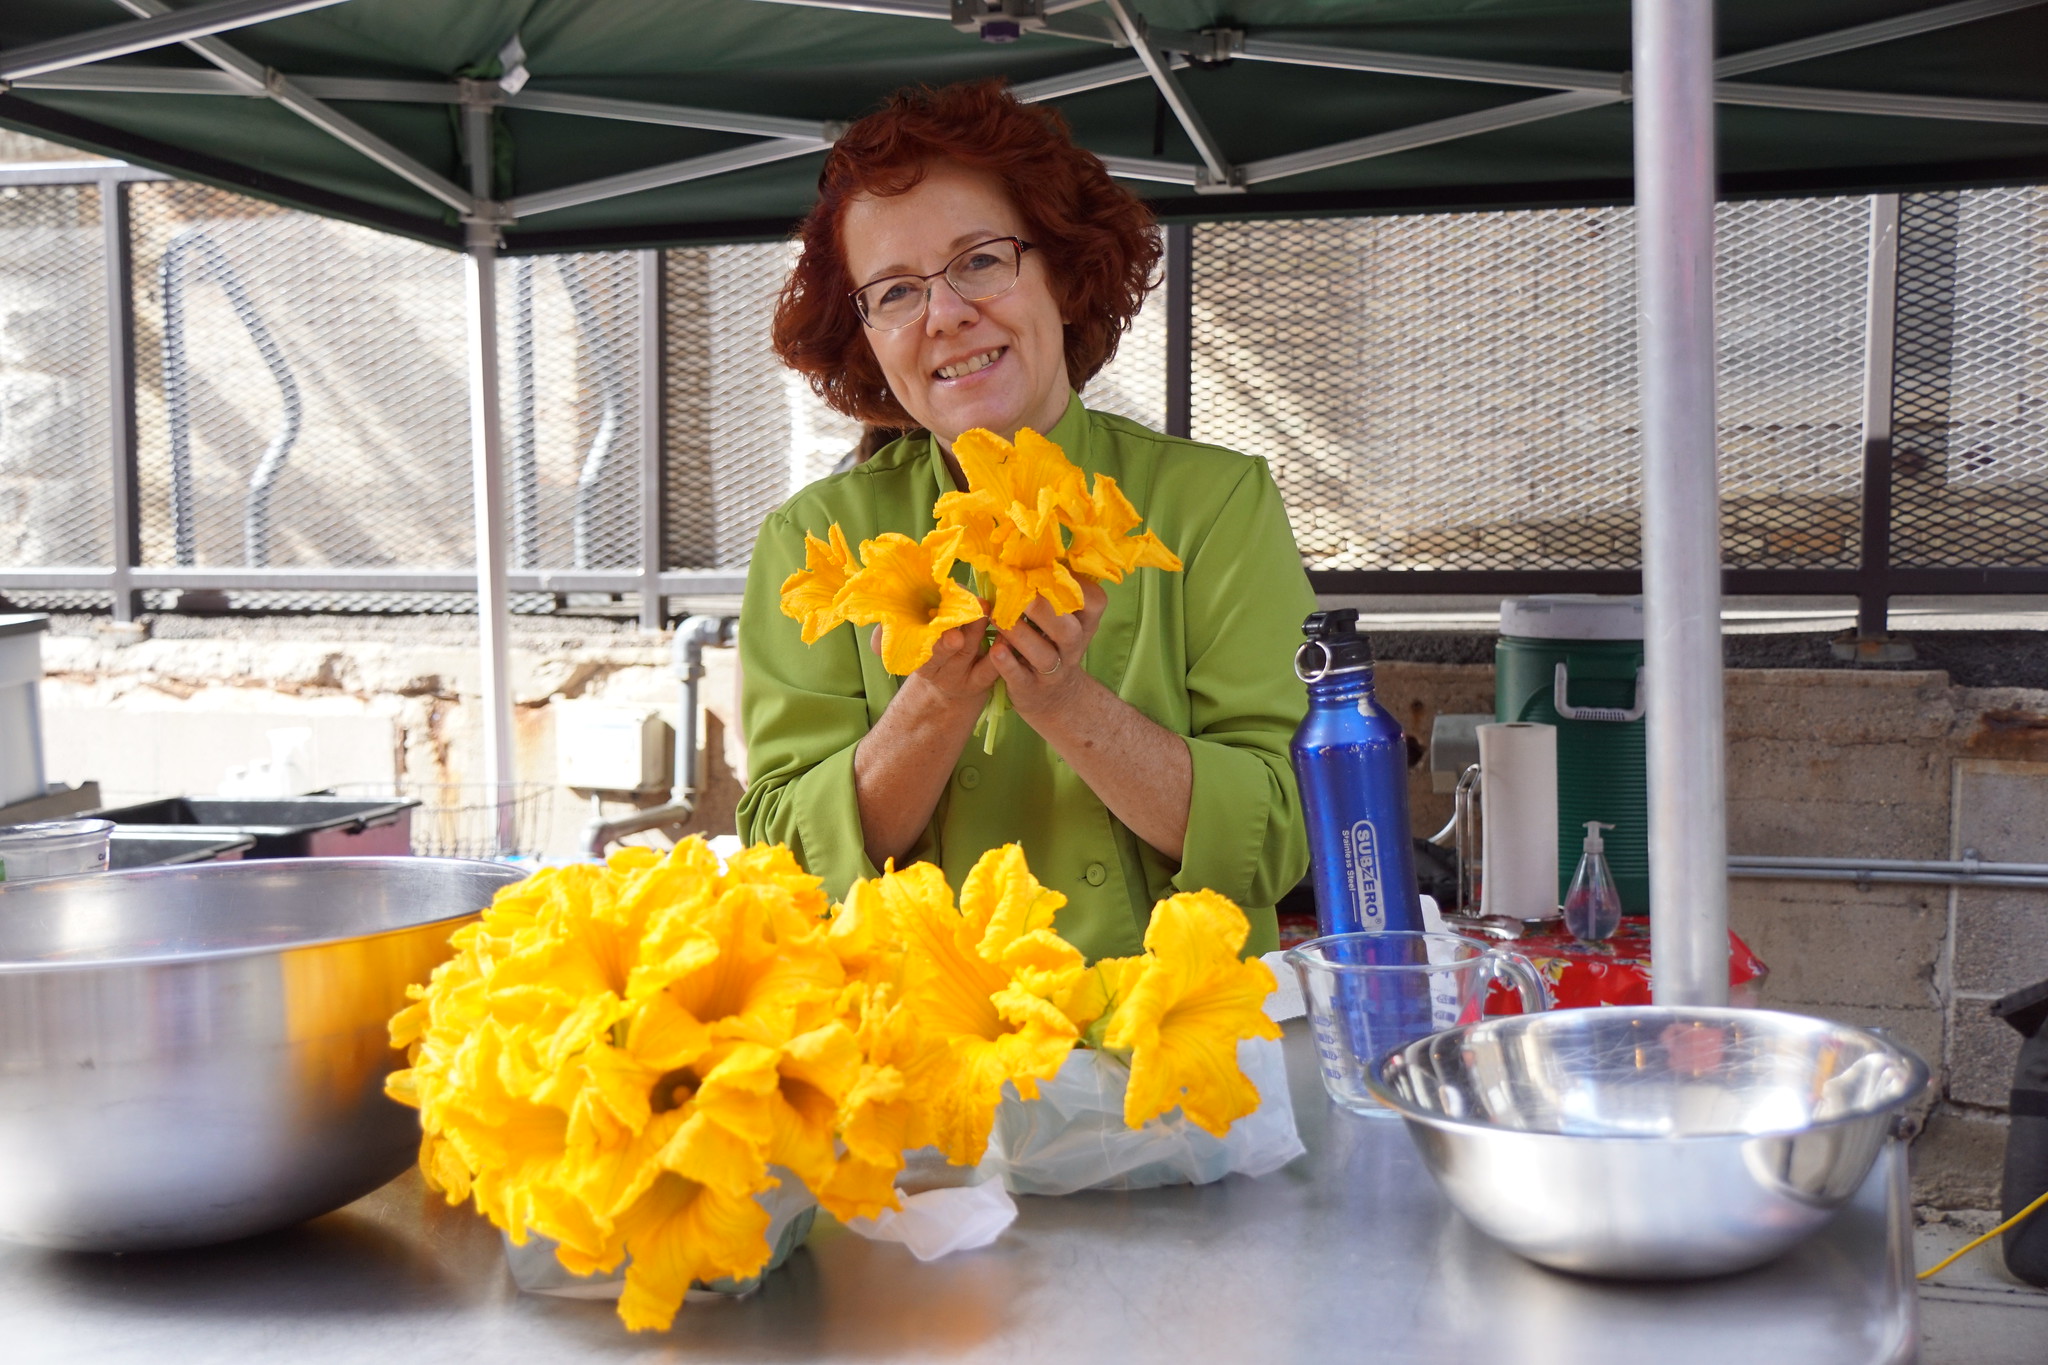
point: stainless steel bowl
(190, 1054)
(1650, 1143)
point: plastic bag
(935, 1223)
(1072, 1137)
(791, 1210)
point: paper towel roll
(1518, 815)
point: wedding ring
(1048, 672)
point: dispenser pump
(1592, 908)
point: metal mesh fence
(1433, 392)
(1791, 298)
(743, 433)
(570, 334)
(1458, 391)
(55, 473)
(1133, 384)
(301, 389)
(1970, 380)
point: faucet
(692, 635)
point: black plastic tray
(163, 846)
(285, 826)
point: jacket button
(970, 778)
(1095, 874)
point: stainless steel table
(1349, 1254)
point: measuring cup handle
(1528, 981)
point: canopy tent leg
(493, 595)
(1674, 169)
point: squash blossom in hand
(616, 1056)
(1028, 524)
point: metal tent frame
(1674, 84)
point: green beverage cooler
(1576, 662)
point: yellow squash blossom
(1028, 565)
(679, 1233)
(1103, 546)
(616, 1055)
(989, 979)
(1001, 474)
(906, 587)
(1181, 1018)
(811, 594)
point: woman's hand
(1137, 767)
(904, 763)
(1040, 657)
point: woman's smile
(970, 366)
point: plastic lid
(1572, 616)
(1334, 645)
(1593, 844)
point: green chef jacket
(1207, 653)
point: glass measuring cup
(53, 848)
(1370, 993)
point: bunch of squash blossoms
(620, 1057)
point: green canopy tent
(539, 125)
(655, 122)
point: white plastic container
(21, 728)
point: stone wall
(170, 709)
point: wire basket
(460, 819)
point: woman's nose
(947, 311)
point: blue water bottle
(1352, 763)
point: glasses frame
(1024, 248)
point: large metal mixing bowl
(190, 1054)
(1651, 1142)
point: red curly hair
(1100, 242)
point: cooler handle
(1567, 711)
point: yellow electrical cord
(2011, 1222)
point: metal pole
(647, 266)
(493, 595)
(117, 250)
(1875, 560)
(1674, 167)
(1179, 291)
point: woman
(966, 266)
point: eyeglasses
(982, 271)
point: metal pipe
(1221, 175)
(117, 251)
(1178, 296)
(1874, 559)
(649, 337)
(1968, 871)
(687, 651)
(1866, 35)
(611, 388)
(214, 261)
(673, 173)
(525, 436)
(1507, 115)
(262, 80)
(174, 26)
(1674, 172)
(493, 596)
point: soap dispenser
(1592, 908)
